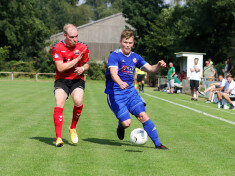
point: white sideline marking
(195, 110)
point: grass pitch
(199, 145)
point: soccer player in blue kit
(122, 96)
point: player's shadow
(112, 142)
(103, 141)
(48, 140)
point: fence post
(36, 76)
(12, 76)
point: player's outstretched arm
(61, 66)
(154, 68)
(116, 78)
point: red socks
(76, 114)
(58, 120)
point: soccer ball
(138, 136)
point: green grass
(199, 145)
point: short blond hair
(67, 26)
(126, 34)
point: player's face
(127, 45)
(196, 62)
(71, 38)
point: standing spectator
(210, 62)
(230, 66)
(225, 70)
(229, 91)
(195, 77)
(170, 75)
(208, 72)
(141, 76)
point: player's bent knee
(143, 117)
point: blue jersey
(126, 70)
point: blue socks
(150, 128)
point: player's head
(196, 61)
(221, 77)
(229, 77)
(71, 34)
(127, 41)
(171, 64)
(207, 63)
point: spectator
(229, 91)
(210, 62)
(195, 77)
(170, 75)
(208, 72)
(177, 82)
(216, 87)
(225, 70)
(230, 66)
(182, 76)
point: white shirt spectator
(195, 75)
(223, 82)
(232, 87)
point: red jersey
(60, 51)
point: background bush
(97, 71)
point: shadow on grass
(49, 141)
(134, 151)
(113, 143)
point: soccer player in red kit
(71, 60)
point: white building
(101, 36)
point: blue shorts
(121, 105)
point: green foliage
(19, 66)
(21, 29)
(97, 71)
(220, 67)
(199, 26)
(4, 54)
(140, 15)
(104, 8)
(26, 25)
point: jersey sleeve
(56, 53)
(85, 58)
(173, 69)
(112, 61)
(140, 62)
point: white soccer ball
(138, 136)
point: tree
(104, 8)
(140, 15)
(21, 29)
